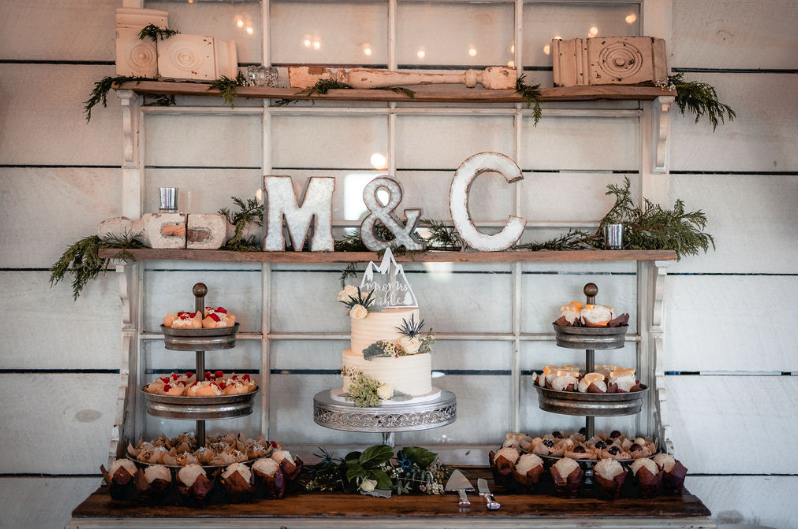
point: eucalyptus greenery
(701, 100)
(248, 212)
(83, 260)
(227, 87)
(154, 32)
(101, 89)
(532, 96)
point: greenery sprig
(532, 96)
(83, 260)
(399, 90)
(159, 100)
(154, 32)
(442, 236)
(700, 99)
(248, 212)
(101, 89)
(228, 87)
(349, 271)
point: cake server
(458, 482)
(484, 491)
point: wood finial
(200, 290)
(591, 290)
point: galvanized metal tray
(337, 415)
(590, 337)
(200, 339)
(591, 404)
(199, 408)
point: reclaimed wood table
(315, 510)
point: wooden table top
(540, 505)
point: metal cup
(613, 236)
(168, 199)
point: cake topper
(390, 286)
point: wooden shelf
(422, 95)
(425, 257)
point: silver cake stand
(386, 420)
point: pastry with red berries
(218, 317)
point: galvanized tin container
(200, 339)
(590, 337)
(591, 404)
(199, 408)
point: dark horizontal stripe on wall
(538, 68)
(305, 371)
(696, 475)
(736, 70)
(175, 370)
(740, 173)
(732, 373)
(51, 475)
(53, 166)
(478, 372)
(326, 64)
(24, 269)
(733, 274)
(60, 371)
(47, 61)
(202, 167)
(205, 269)
(358, 169)
(338, 271)
(556, 273)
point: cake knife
(484, 491)
(458, 482)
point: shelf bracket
(657, 331)
(661, 133)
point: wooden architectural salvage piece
(157, 230)
(608, 61)
(458, 202)
(206, 232)
(135, 56)
(402, 233)
(493, 78)
(196, 57)
(282, 203)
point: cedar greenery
(701, 100)
(159, 100)
(248, 212)
(227, 87)
(321, 87)
(83, 261)
(101, 89)
(532, 96)
(399, 90)
(154, 32)
(442, 236)
(349, 271)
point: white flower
(358, 312)
(368, 485)
(385, 391)
(347, 292)
(410, 345)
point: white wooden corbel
(131, 174)
(657, 329)
(661, 133)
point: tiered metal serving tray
(199, 408)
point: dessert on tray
(606, 379)
(390, 355)
(216, 383)
(211, 318)
(219, 450)
(576, 314)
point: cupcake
(186, 320)
(610, 476)
(597, 315)
(622, 380)
(237, 480)
(205, 388)
(502, 464)
(570, 315)
(120, 479)
(592, 383)
(567, 477)
(217, 317)
(527, 471)
(673, 473)
(269, 478)
(154, 483)
(647, 475)
(193, 484)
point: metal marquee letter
(458, 202)
(282, 203)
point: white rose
(410, 345)
(358, 312)
(368, 485)
(347, 292)
(385, 391)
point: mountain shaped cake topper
(389, 284)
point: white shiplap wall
(729, 422)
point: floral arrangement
(411, 342)
(359, 307)
(376, 472)
(366, 392)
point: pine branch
(101, 89)
(159, 100)
(83, 261)
(349, 271)
(441, 235)
(321, 87)
(227, 87)
(154, 32)
(399, 90)
(573, 240)
(248, 212)
(700, 99)
(532, 96)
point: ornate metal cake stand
(384, 419)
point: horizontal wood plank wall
(730, 362)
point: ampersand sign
(403, 233)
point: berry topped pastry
(217, 317)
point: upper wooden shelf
(421, 257)
(423, 95)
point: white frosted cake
(409, 374)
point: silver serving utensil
(484, 491)
(458, 482)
